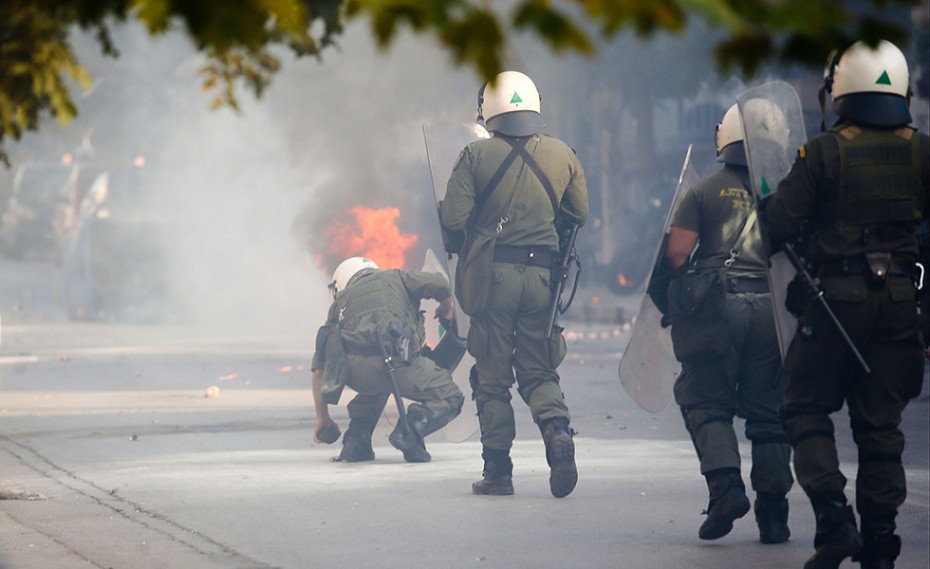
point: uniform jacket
(520, 197)
(371, 301)
(716, 209)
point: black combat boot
(879, 550)
(356, 444)
(409, 442)
(560, 454)
(498, 474)
(728, 502)
(772, 517)
(837, 537)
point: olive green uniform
(507, 338)
(747, 381)
(858, 190)
(371, 301)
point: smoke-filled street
(116, 452)
(168, 256)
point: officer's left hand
(445, 310)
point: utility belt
(872, 265)
(747, 284)
(533, 256)
(353, 350)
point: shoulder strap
(492, 184)
(747, 228)
(539, 174)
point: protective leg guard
(409, 442)
(560, 454)
(728, 503)
(425, 423)
(879, 551)
(498, 474)
(837, 537)
(772, 517)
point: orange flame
(621, 278)
(374, 235)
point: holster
(879, 264)
(401, 343)
(799, 296)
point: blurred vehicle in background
(114, 261)
(37, 195)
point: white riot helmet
(348, 269)
(870, 85)
(511, 105)
(729, 139)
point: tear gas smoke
(247, 198)
(250, 196)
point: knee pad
(697, 418)
(528, 387)
(481, 395)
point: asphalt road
(112, 456)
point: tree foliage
(239, 37)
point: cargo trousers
(508, 341)
(745, 383)
(422, 381)
(824, 374)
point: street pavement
(115, 454)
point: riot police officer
(741, 377)
(507, 193)
(369, 305)
(856, 195)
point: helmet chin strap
(827, 87)
(480, 118)
(822, 96)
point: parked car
(114, 261)
(26, 226)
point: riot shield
(466, 424)
(648, 368)
(444, 143)
(773, 130)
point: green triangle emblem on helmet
(883, 79)
(516, 98)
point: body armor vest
(878, 187)
(368, 306)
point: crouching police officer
(369, 306)
(856, 195)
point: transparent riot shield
(773, 127)
(466, 424)
(444, 143)
(648, 368)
